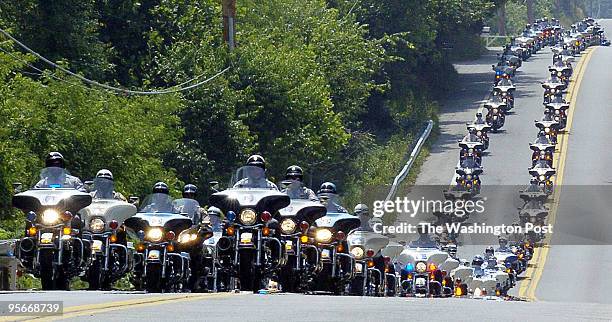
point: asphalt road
(581, 245)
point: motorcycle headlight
(287, 226)
(248, 216)
(324, 235)
(557, 112)
(469, 177)
(155, 234)
(542, 178)
(421, 267)
(187, 236)
(494, 110)
(547, 130)
(470, 150)
(96, 225)
(358, 252)
(533, 219)
(558, 73)
(50, 217)
(479, 133)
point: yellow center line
(540, 255)
(90, 309)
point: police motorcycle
(543, 173)
(558, 106)
(480, 129)
(419, 261)
(471, 147)
(553, 86)
(250, 251)
(53, 248)
(295, 220)
(462, 277)
(507, 258)
(112, 255)
(374, 275)
(533, 213)
(526, 42)
(489, 278)
(468, 176)
(160, 264)
(495, 117)
(505, 90)
(548, 126)
(563, 71)
(543, 149)
(329, 236)
(192, 241)
(502, 71)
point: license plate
(97, 246)
(325, 254)
(153, 255)
(358, 268)
(246, 238)
(46, 238)
(288, 245)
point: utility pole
(229, 23)
(530, 14)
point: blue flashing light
(409, 267)
(231, 216)
(31, 216)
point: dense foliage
(336, 86)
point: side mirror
(214, 185)
(88, 185)
(17, 187)
(134, 200)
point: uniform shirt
(69, 182)
(116, 195)
(302, 193)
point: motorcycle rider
(161, 199)
(55, 173)
(548, 115)
(479, 119)
(477, 263)
(255, 179)
(489, 252)
(105, 189)
(452, 251)
(503, 245)
(329, 196)
(295, 173)
(363, 213)
(189, 192)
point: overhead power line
(174, 89)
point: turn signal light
(266, 231)
(497, 292)
(304, 239)
(304, 226)
(66, 230)
(113, 238)
(432, 267)
(370, 263)
(230, 231)
(340, 248)
(170, 235)
(140, 247)
(170, 247)
(409, 276)
(266, 216)
(458, 291)
(32, 231)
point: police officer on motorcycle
(199, 215)
(503, 245)
(55, 173)
(489, 252)
(161, 199)
(105, 187)
(256, 179)
(329, 196)
(479, 119)
(295, 173)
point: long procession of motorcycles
(260, 239)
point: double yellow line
(90, 309)
(540, 254)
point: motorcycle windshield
(103, 188)
(469, 163)
(541, 164)
(188, 207)
(505, 82)
(294, 189)
(543, 140)
(54, 177)
(250, 177)
(157, 202)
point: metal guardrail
(406, 169)
(499, 41)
